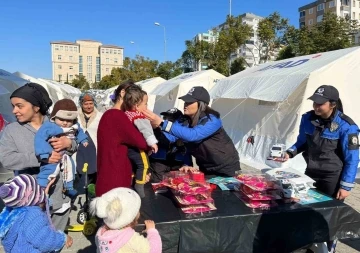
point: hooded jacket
(127, 240)
(27, 229)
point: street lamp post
(230, 8)
(158, 24)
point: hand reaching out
(154, 148)
(149, 224)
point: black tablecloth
(233, 227)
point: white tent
(67, 91)
(148, 85)
(8, 84)
(267, 101)
(168, 92)
(56, 90)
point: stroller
(88, 225)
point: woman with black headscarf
(17, 152)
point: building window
(310, 22)
(61, 47)
(71, 77)
(102, 51)
(75, 49)
(331, 4)
(302, 24)
(107, 70)
(89, 68)
(56, 47)
(115, 51)
(60, 78)
(107, 60)
(111, 51)
(311, 10)
(319, 18)
(80, 65)
(320, 7)
(59, 57)
(353, 16)
(115, 60)
(71, 67)
(354, 3)
(66, 48)
(71, 48)
(59, 67)
(70, 58)
(98, 75)
(302, 14)
(107, 51)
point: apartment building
(89, 58)
(313, 13)
(209, 37)
(249, 51)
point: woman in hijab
(89, 118)
(17, 152)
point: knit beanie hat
(35, 94)
(117, 207)
(22, 190)
(64, 109)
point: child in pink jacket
(120, 210)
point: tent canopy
(168, 92)
(275, 81)
(266, 102)
(193, 77)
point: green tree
(332, 33)
(168, 70)
(137, 69)
(233, 34)
(270, 33)
(238, 65)
(80, 82)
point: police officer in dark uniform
(328, 141)
(203, 134)
(172, 153)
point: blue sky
(27, 27)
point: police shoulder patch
(353, 141)
(347, 119)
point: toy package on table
(197, 176)
(258, 182)
(193, 209)
(225, 183)
(293, 183)
(185, 185)
(258, 195)
(202, 198)
(159, 187)
(256, 204)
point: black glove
(172, 114)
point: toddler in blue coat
(63, 122)
(24, 226)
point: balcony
(344, 8)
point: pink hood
(110, 241)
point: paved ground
(86, 245)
